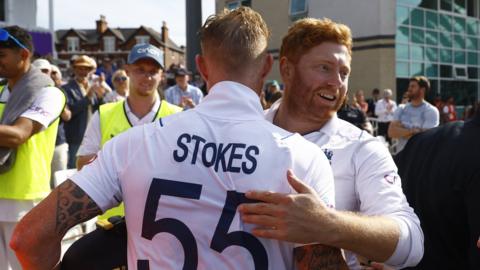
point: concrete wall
(22, 13)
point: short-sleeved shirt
(92, 140)
(174, 94)
(44, 110)
(185, 175)
(366, 181)
(424, 116)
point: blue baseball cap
(141, 51)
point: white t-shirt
(44, 110)
(92, 140)
(385, 109)
(185, 175)
(366, 181)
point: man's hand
(187, 102)
(290, 217)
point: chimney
(164, 32)
(102, 25)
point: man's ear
(202, 66)
(286, 68)
(25, 54)
(127, 68)
(267, 65)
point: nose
(335, 80)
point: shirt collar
(155, 107)
(330, 128)
(233, 100)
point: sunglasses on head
(120, 79)
(4, 35)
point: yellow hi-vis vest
(113, 121)
(29, 178)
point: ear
(286, 69)
(202, 66)
(25, 54)
(267, 65)
(127, 68)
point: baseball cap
(84, 61)
(141, 51)
(182, 72)
(42, 64)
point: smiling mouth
(327, 97)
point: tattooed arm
(37, 237)
(319, 257)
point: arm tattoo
(319, 257)
(73, 206)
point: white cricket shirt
(366, 181)
(182, 177)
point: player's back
(193, 169)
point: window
(298, 7)
(73, 44)
(142, 39)
(109, 44)
(235, 4)
(2, 11)
(460, 72)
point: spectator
(107, 68)
(272, 87)
(183, 94)
(273, 98)
(84, 95)
(417, 116)
(372, 101)
(384, 109)
(174, 198)
(442, 182)
(120, 83)
(29, 110)
(360, 98)
(354, 116)
(372, 217)
(449, 110)
(43, 65)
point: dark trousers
(383, 130)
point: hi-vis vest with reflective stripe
(113, 121)
(29, 178)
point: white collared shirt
(366, 181)
(187, 170)
(92, 140)
(384, 110)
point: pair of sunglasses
(4, 36)
(120, 79)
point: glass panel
(431, 37)
(410, 2)
(445, 23)
(471, 43)
(417, 52)
(446, 5)
(459, 25)
(472, 58)
(432, 20)
(418, 36)
(432, 54)
(459, 57)
(402, 51)
(445, 71)
(431, 4)
(472, 73)
(416, 69)
(459, 6)
(471, 26)
(402, 69)
(431, 70)
(417, 17)
(297, 6)
(459, 42)
(402, 15)
(445, 39)
(402, 34)
(445, 56)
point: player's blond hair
(307, 33)
(235, 39)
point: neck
(141, 105)
(183, 87)
(121, 91)
(22, 71)
(416, 102)
(288, 119)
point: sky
(122, 13)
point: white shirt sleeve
(100, 179)
(320, 178)
(46, 107)
(380, 108)
(380, 192)
(91, 142)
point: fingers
(266, 196)
(270, 233)
(263, 221)
(297, 184)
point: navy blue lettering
(234, 156)
(197, 140)
(221, 157)
(204, 154)
(251, 158)
(176, 155)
